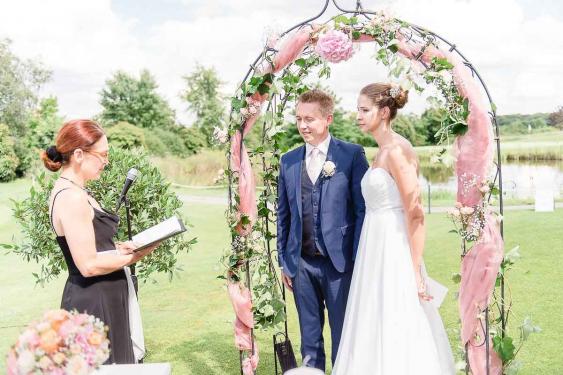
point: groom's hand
(287, 282)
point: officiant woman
(97, 282)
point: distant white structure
(544, 200)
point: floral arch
(416, 59)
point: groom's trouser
(318, 284)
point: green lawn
(189, 322)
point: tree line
(135, 115)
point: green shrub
(173, 142)
(8, 158)
(194, 139)
(151, 202)
(125, 135)
(153, 144)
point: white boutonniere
(328, 169)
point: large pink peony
(334, 46)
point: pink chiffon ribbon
(244, 322)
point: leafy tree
(8, 159)
(20, 81)
(432, 121)
(412, 128)
(555, 119)
(44, 124)
(204, 100)
(41, 129)
(135, 101)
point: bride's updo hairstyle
(74, 134)
(386, 95)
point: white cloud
(518, 55)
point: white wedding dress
(387, 329)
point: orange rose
(56, 317)
(49, 341)
(95, 338)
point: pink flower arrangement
(334, 46)
(60, 343)
(252, 108)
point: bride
(391, 327)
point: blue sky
(515, 44)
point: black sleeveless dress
(105, 297)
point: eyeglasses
(103, 156)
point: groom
(319, 220)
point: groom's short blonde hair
(325, 101)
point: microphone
(131, 177)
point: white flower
(467, 210)
(394, 91)
(329, 168)
(77, 365)
(26, 362)
(453, 212)
(221, 135)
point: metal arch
(452, 48)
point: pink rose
(334, 46)
(30, 337)
(66, 329)
(80, 319)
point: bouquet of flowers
(60, 343)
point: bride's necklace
(75, 184)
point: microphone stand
(127, 205)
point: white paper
(437, 291)
(161, 230)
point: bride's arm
(402, 164)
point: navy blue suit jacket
(342, 206)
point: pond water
(520, 180)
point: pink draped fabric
(243, 335)
(479, 270)
(244, 321)
(242, 304)
(250, 364)
(240, 163)
(477, 356)
(290, 50)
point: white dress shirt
(315, 167)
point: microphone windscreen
(133, 174)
